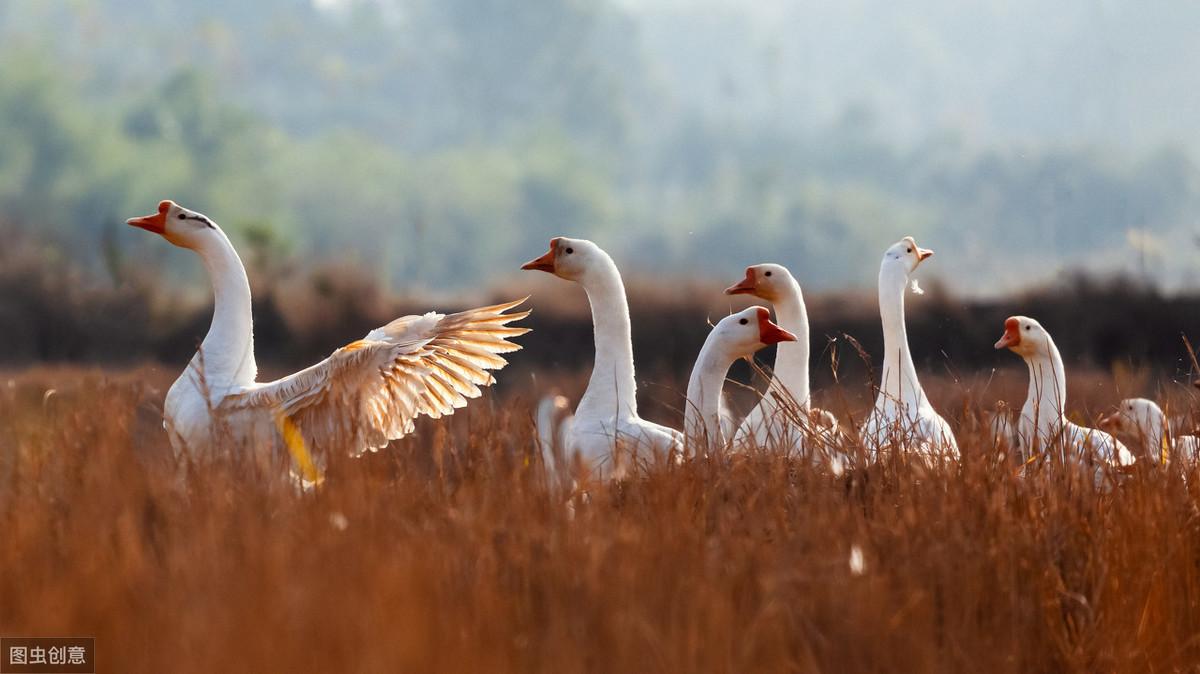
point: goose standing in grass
(365, 394)
(551, 421)
(736, 336)
(902, 417)
(784, 415)
(1144, 419)
(1043, 423)
(606, 430)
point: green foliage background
(438, 143)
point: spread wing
(370, 391)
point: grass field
(447, 552)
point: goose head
(740, 335)
(1137, 416)
(764, 281)
(182, 227)
(1024, 337)
(906, 254)
(570, 259)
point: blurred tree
(391, 132)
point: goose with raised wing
(362, 396)
(736, 336)
(1144, 420)
(605, 432)
(785, 415)
(1043, 426)
(903, 417)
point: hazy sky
(1016, 133)
(1079, 71)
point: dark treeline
(1097, 324)
(47, 317)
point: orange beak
(746, 286)
(768, 332)
(1012, 334)
(544, 263)
(156, 223)
(923, 254)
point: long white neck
(899, 380)
(1047, 398)
(226, 356)
(612, 388)
(791, 358)
(702, 418)
(1158, 434)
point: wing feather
(370, 391)
(451, 376)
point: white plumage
(606, 433)
(736, 336)
(370, 391)
(784, 417)
(365, 394)
(1146, 422)
(903, 418)
(1043, 428)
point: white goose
(774, 419)
(365, 394)
(606, 430)
(552, 418)
(1145, 420)
(902, 416)
(1043, 423)
(736, 336)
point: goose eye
(767, 274)
(1028, 328)
(744, 321)
(570, 251)
(182, 216)
(910, 250)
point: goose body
(552, 420)
(738, 335)
(903, 417)
(365, 394)
(785, 417)
(605, 432)
(1043, 426)
(1144, 419)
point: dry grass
(446, 553)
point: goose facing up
(903, 417)
(1043, 425)
(362, 396)
(606, 430)
(737, 335)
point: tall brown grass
(447, 552)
